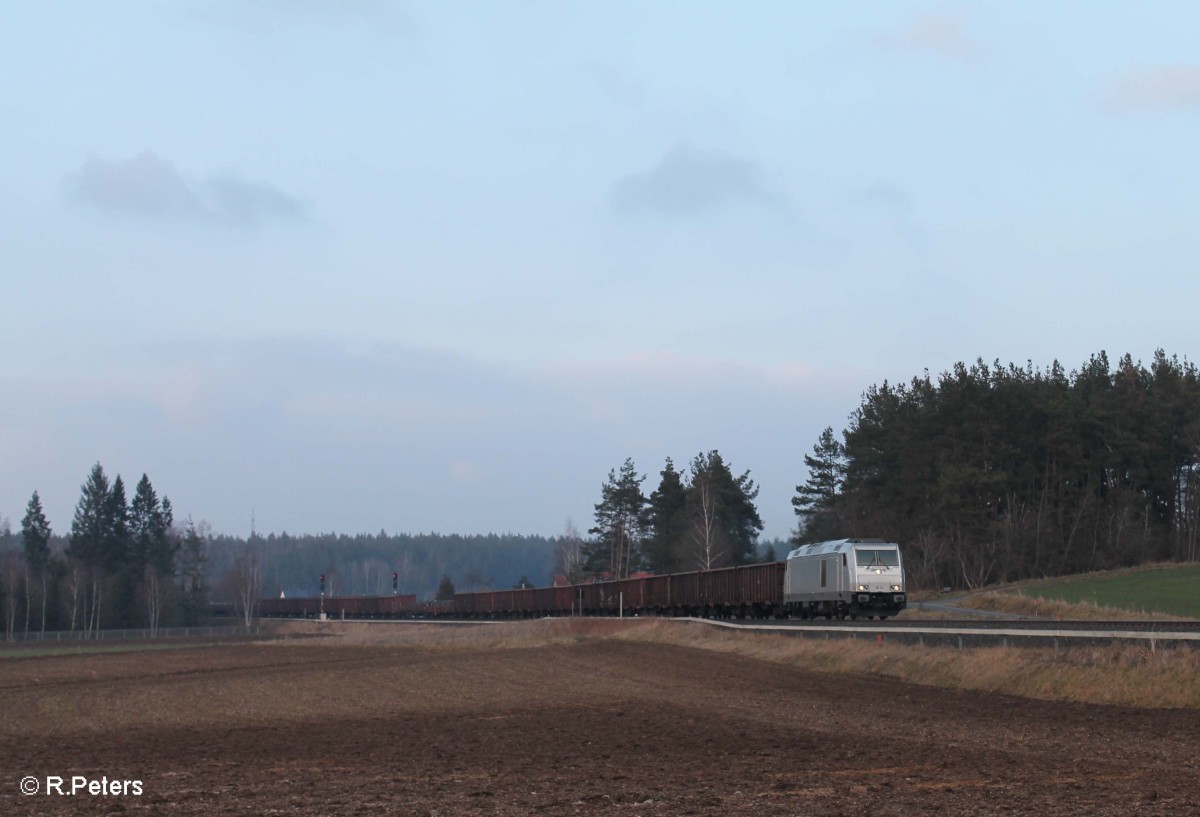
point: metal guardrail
(966, 636)
(66, 636)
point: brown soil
(596, 727)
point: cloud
(894, 205)
(884, 194)
(465, 471)
(147, 186)
(670, 371)
(687, 181)
(1166, 88)
(942, 34)
(322, 434)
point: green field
(1171, 590)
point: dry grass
(1128, 675)
(918, 612)
(1020, 604)
(438, 637)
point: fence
(134, 635)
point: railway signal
(322, 584)
(395, 584)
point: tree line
(999, 473)
(124, 564)
(363, 564)
(698, 519)
(983, 474)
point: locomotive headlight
(895, 587)
(862, 587)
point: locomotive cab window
(878, 558)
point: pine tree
(445, 591)
(815, 500)
(620, 524)
(722, 522)
(666, 521)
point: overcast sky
(440, 266)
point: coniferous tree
(445, 590)
(117, 559)
(152, 548)
(815, 500)
(116, 548)
(90, 535)
(89, 525)
(193, 587)
(722, 521)
(667, 525)
(35, 536)
(620, 525)
(1006, 472)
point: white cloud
(1166, 88)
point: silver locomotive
(845, 578)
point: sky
(440, 266)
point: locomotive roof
(836, 546)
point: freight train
(838, 579)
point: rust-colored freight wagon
(340, 607)
(292, 608)
(748, 590)
(685, 593)
(754, 591)
(352, 606)
(397, 606)
(762, 584)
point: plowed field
(591, 728)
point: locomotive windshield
(878, 558)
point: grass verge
(1127, 674)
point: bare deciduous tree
(245, 580)
(709, 543)
(568, 555)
